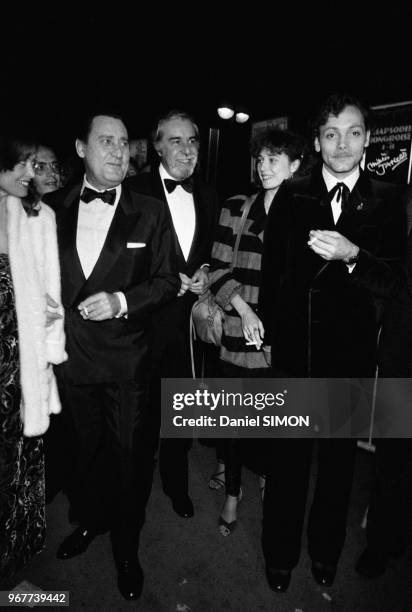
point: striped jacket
(245, 278)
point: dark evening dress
(22, 508)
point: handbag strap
(248, 201)
(246, 208)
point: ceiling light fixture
(225, 111)
(241, 116)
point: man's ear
(368, 135)
(158, 149)
(80, 148)
(317, 145)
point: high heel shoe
(216, 482)
(226, 528)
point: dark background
(57, 64)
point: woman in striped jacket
(278, 155)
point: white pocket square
(136, 245)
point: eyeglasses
(41, 167)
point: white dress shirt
(182, 210)
(93, 224)
(331, 181)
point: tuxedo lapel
(159, 192)
(200, 223)
(114, 244)
(321, 209)
(362, 204)
(70, 262)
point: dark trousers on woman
(231, 451)
(286, 491)
(113, 453)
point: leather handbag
(206, 320)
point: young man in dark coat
(331, 253)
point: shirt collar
(164, 173)
(331, 180)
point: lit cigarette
(252, 343)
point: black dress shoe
(278, 580)
(182, 505)
(76, 543)
(323, 574)
(130, 578)
(371, 563)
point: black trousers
(234, 451)
(391, 498)
(287, 479)
(113, 458)
(170, 358)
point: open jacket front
(320, 319)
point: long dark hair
(12, 151)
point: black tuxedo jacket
(137, 259)
(176, 313)
(320, 319)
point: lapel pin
(359, 206)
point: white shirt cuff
(123, 305)
(205, 265)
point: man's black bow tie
(187, 184)
(343, 195)
(107, 196)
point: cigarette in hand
(253, 343)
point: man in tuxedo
(116, 268)
(332, 252)
(191, 207)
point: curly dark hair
(334, 104)
(275, 140)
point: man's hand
(200, 281)
(186, 283)
(331, 245)
(51, 316)
(100, 307)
